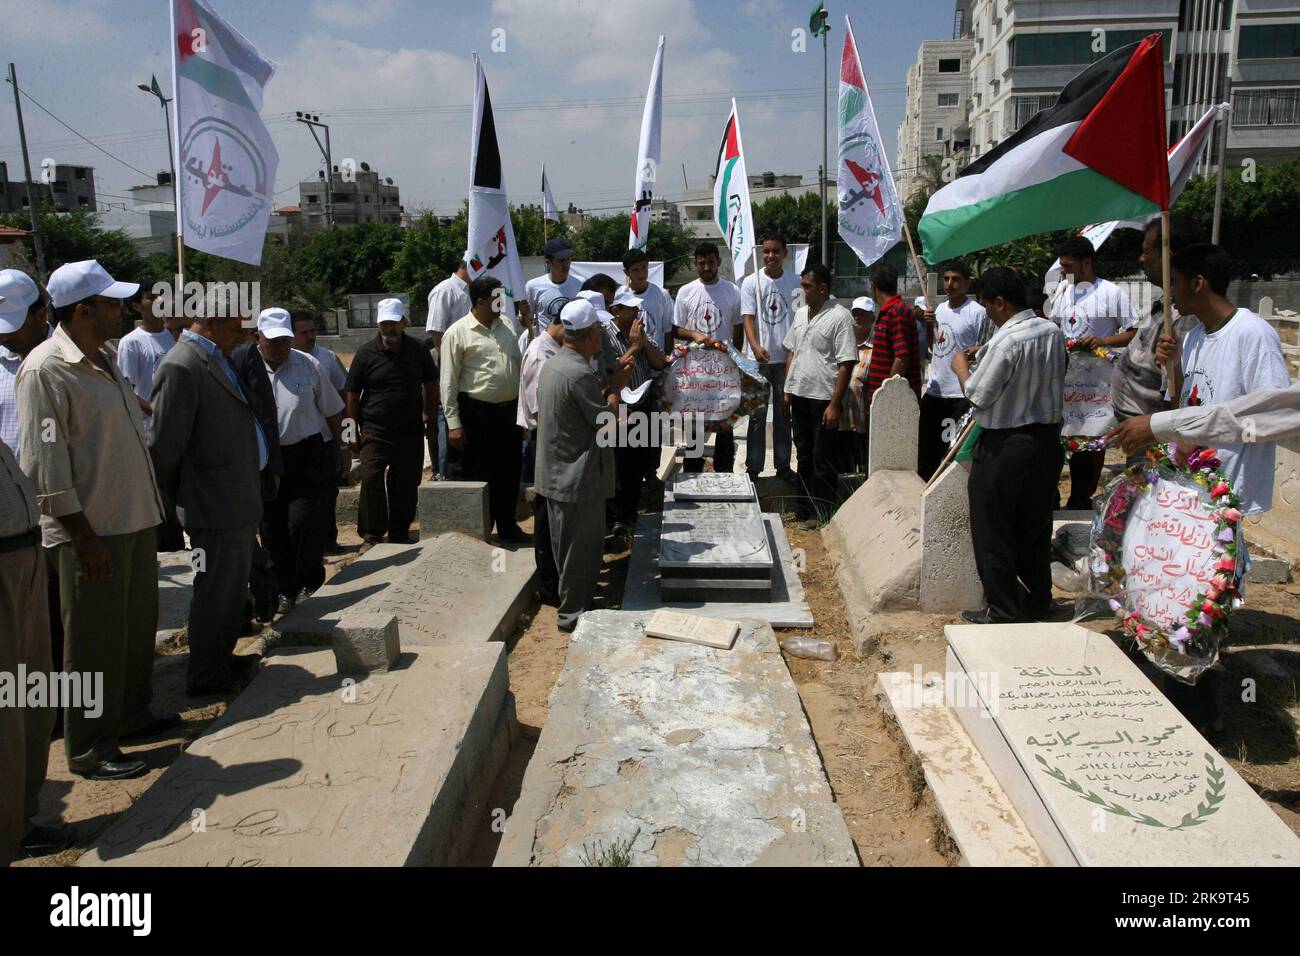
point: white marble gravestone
(712, 486)
(1101, 767)
(718, 545)
(894, 421)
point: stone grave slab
(449, 589)
(874, 542)
(1101, 767)
(949, 582)
(712, 486)
(893, 426)
(454, 506)
(784, 606)
(295, 775)
(710, 546)
(975, 809)
(705, 752)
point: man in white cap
(305, 403)
(479, 378)
(23, 326)
(537, 354)
(448, 304)
(24, 615)
(392, 398)
(574, 474)
(83, 446)
(628, 343)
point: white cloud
(53, 23)
(350, 13)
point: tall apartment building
(359, 196)
(1025, 52)
(938, 94)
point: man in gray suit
(574, 474)
(208, 451)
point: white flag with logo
(647, 154)
(225, 160)
(492, 248)
(731, 208)
(549, 211)
(870, 217)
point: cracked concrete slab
(685, 755)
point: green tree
(430, 252)
(74, 236)
(604, 239)
(527, 223)
(1258, 220)
(796, 220)
(353, 259)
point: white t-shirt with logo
(777, 312)
(138, 355)
(546, 299)
(1097, 308)
(955, 330)
(1243, 356)
(711, 309)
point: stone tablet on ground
(784, 606)
(895, 418)
(1101, 767)
(708, 546)
(448, 589)
(712, 486)
(697, 756)
(454, 506)
(394, 770)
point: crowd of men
(236, 438)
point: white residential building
(938, 93)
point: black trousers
(292, 527)
(823, 456)
(724, 454)
(390, 483)
(939, 418)
(494, 453)
(329, 526)
(1085, 475)
(1012, 492)
(548, 572)
(217, 602)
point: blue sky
(394, 80)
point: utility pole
(37, 245)
(826, 252)
(312, 121)
(155, 90)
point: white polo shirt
(304, 397)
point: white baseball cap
(390, 310)
(275, 324)
(78, 281)
(626, 297)
(920, 302)
(596, 298)
(578, 315)
(865, 303)
(17, 293)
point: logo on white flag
(229, 187)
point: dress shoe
(119, 768)
(284, 604)
(42, 841)
(514, 535)
(753, 476)
(401, 537)
(1055, 613)
(787, 474)
(153, 727)
(302, 595)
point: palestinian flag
(731, 207)
(1098, 154)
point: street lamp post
(312, 121)
(167, 120)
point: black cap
(558, 249)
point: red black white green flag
(1099, 153)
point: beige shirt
(83, 442)
(18, 513)
(480, 361)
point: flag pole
(825, 170)
(1218, 179)
(916, 262)
(179, 291)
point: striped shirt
(894, 337)
(616, 346)
(1019, 377)
(9, 363)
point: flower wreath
(753, 387)
(1073, 443)
(1101, 351)
(1192, 647)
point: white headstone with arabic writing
(1087, 409)
(895, 418)
(1103, 769)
